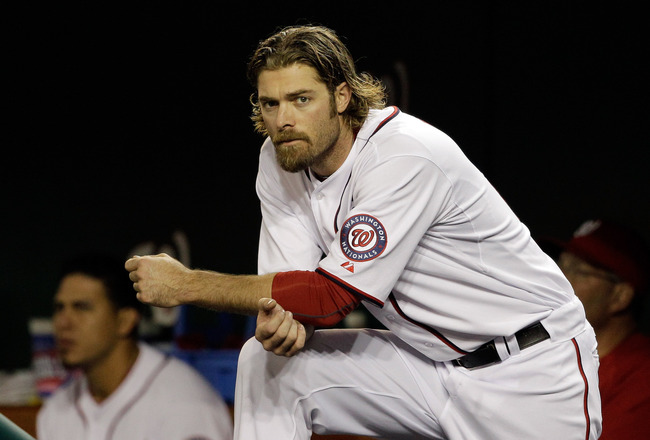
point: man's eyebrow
(73, 303)
(299, 93)
(291, 95)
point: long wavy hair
(320, 48)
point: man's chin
(69, 365)
(293, 169)
(291, 166)
(293, 157)
(70, 362)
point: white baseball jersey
(412, 226)
(161, 398)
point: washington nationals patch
(363, 238)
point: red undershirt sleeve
(312, 298)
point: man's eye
(83, 306)
(302, 100)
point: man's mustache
(289, 136)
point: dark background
(129, 121)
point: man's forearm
(162, 281)
(227, 293)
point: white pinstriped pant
(369, 382)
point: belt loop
(513, 345)
(502, 348)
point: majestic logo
(363, 238)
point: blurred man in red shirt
(607, 264)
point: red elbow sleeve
(312, 298)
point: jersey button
(390, 317)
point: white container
(49, 373)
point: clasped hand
(278, 331)
(161, 281)
(157, 279)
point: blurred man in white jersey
(127, 389)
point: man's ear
(342, 96)
(128, 318)
(621, 297)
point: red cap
(612, 247)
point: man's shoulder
(393, 132)
(163, 363)
(634, 349)
(389, 117)
(640, 342)
(178, 379)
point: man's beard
(293, 158)
(307, 152)
(299, 157)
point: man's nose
(286, 117)
(62, 319)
